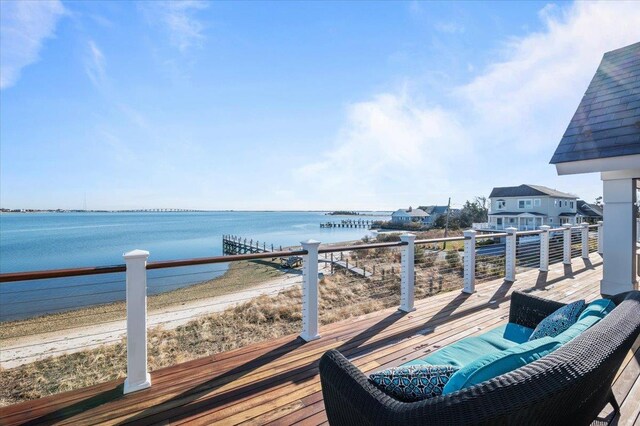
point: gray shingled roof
(412, 212)
(527, 191)
(436, 209)
(607, 121)
(589, 210)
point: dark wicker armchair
(569, 386)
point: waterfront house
(527, 207)
(604, 137)
(435, 212)
(589, 213)
(403, 216)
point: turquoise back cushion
(592, 314)
(467, 350)
(495, 364)
(599, 308)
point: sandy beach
(27, 349)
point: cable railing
(357, 281)
(147, 315)
(528, 251)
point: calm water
(40, 241)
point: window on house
(499, 221)
(550, 220)
(536, 202)
(571, 204)
(501, 204)
(525, 204)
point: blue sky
(290, 105)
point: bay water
(42, 241)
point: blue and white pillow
(413, 382)
(558, 321)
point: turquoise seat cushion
(466, 350)
(498, 363)
(413, 383)
(599, 308)
(558, 321)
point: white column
(407, 283)
(138, 376)
(510, 254)
(310, 291)
(566, 244)
(619, 269)
(469, 261)
(600, 236)
(544, 248)
(584, 233)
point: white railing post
(544, 248)
(310, 291)
(407, 282)
(510, 254)
(138, 376)
(585, 239)
(566, 244)
(600, 236)
(469, 261)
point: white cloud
(179, 20)
(95, 65)
(24, 25)
(502, 128)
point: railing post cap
(407, 237)
(545, 228)
(511, 230)
(584, 224)
(469, 232)
(136, 254)
(600, 222)
(567, 225)
(310, 243)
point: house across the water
(527, 207)
(403, 216)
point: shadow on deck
(277, 382)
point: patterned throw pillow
(558, 321)
(413, 382)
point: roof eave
(608, 164)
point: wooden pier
(348, 223)
(232, 244)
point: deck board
(277, 382)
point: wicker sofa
(568, 386)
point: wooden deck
(276, 382)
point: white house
(604, 137)
(402, 216)
(527, 207)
